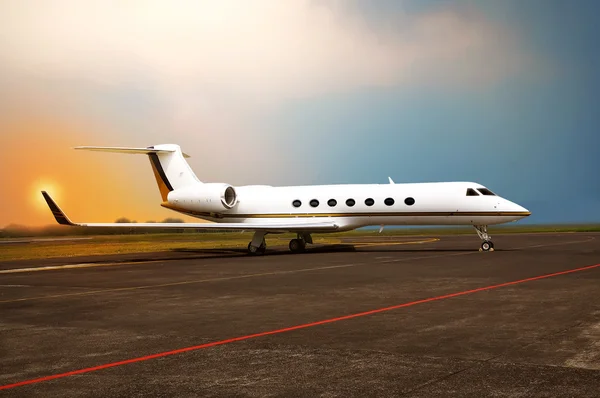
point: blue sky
(305, 92)
(532, 139)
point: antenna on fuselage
(391, 181)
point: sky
(299, 92)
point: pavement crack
(480, 362)
(433, 381)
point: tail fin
(171, 170)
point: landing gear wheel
(487, 246)
(297, 245)
(252, 249)
(256, 250)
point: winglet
(58, 214)
(391, 181)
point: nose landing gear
(487, 245)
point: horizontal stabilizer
(294, 226)
(138, 151)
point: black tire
(487, 246)
(254, 251)
(297, 245)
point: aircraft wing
(287, 226)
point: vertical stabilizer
(170, 168)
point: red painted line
(289, 329)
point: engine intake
(229, 197)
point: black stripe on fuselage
(161, 172)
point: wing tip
(58, 214)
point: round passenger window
(389, 201)
(369, 202)
(332, 202)
(409, 201)
(350, 202)
(314, 203)
(296, 203)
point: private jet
(305, 210)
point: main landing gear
(298, 245)
(257, 250)
(487, 245)
(258, 246)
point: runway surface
(391, 316)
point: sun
(47, 185)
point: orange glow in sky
(89, 187)
(44, 184)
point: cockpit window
(486, 192)
(472, 192)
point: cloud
(221, 64)
(205, 74)
(255, 52)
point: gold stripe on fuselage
(371, 214)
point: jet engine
(204, 198)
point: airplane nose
(521, 209)
(525, 211)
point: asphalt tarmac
(385, 317)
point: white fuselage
(308, 209)
(443, 203)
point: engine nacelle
(204, 198)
